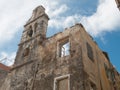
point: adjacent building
(69, 60)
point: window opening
(62, 83)
(35, 29)
(90, 52)
(65, 49)
(30, 32)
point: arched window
(35, 27)
(90, 52)
(30, 32)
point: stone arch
(30, 31)
(35, 27)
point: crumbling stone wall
(43, 64)
(39, 73)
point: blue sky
(100, 18)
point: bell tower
(36, 25)
(33, 35)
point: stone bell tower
(36, 25)
(34, 34)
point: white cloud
(63, 8)
(14, 14)
(64, 22)
(71, 20)
(105, 19)
(7, 59)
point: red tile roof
(4, 67)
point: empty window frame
(112, 76)
(90, 52)
(30, 32)
(62, 83)
(64, 48)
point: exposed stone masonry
(45, 63)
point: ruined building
(118, 3)
(69, 60)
